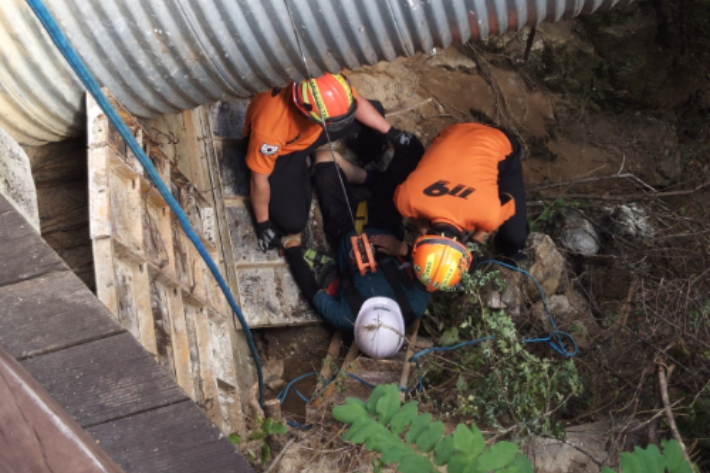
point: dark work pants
(382, 213)
(513, 234)
(290, 181)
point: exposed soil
(599, 104)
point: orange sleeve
(262, 153)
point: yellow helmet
(439, 261)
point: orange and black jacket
(456, 181)
(275, 127)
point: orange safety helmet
(439, 261)
(328, 98)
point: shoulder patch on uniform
(268, 150)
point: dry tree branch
(279, 456)
(417, 105)
(663, 381)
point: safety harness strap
(352, 296)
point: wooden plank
(36, 434)
(60, 174)
(181, 440)
(181, 345)
(49, 313)
(23, 254)
(162, 298)
(199, 174)
(105, 274)
(104, 380)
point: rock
(583, 450)
(510, 298)
(572, 313)
(631, 221)
(16, 183)
(548, 267)
(454, 60)
(579, 236)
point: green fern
(415, 443)
(651, 460)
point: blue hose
(93, 87)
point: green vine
(499, 382)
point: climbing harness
(363, 254)
(362, 251)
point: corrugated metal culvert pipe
(162, 56)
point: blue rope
(281, 396)
(555, 338)
(92, 86)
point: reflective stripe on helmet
(346, 85)
(318, 98)
(306, 88)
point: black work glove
(405, 142)
(301, 271)
(267, 236)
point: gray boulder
(579, 236)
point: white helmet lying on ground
(379, 328)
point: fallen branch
(629, 196)
(423, 102)
(279, 456)
(588, 180)
(663, 382)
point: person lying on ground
(469, 180)
(282, 129)
(385, 229)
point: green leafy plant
(264, 429)
(499, 382)
(652, 460)
(415, 443)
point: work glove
(404, 142)
(267, 236)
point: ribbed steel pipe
(162, 56)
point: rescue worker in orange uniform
(469, 180)
(283, 128)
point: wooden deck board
(36, 434)
(48, 313)
(93, 369)
(198, 446)
(105, 379)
